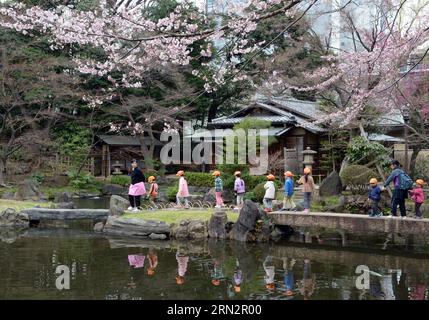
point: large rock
(249, 214)
(331, 185)
(190, 229)
(66, 205)
(63, 197)
(98, 227)
(12, 218)
(114, 189)
(27, 190)
(217, 225)
(135, 227)
(118, 205)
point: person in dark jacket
(399, 195)
(374, 195)
(137, 187)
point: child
(374, 195)
(307, 188)
(153, 191)
(288, 203)
(218, 189)
(270, 193)
(418, 196)
(183, 192)
(239, 189)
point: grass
(175, 216)
(20, 205)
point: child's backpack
(405, 182)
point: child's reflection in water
(238, 277)
(269, 273)
(217, 273)
(289, 279)
(152, 258)
(308, 283)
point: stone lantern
(308, 158)
(117, 168)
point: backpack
(405, 182)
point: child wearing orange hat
(183, 192)
(374, 195)
(307, 188)
(239, 189)
(288, 203)
(418, 196)
(270, 193)
(218, 189)
(153, 191)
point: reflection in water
(119, 268)
(182, 267)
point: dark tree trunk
(211, 114)
(413, 160)
(2, 171)
(147, 152)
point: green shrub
(421, 170)
(356, 178)
(200, 179)
(121, 180)
(171, 193)
(253, 181)
(38, 177)
(229, 169)
(250, 196)
(82, 181)
(259, 192)
(362, 151)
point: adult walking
(137, 188)
(401, 182)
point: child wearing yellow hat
(288, 203)
(374, 196)
(183, 192)
(153, 191)
(218, 189)
(270, 193)
(307, 188)
(418, 196)
(239, 189)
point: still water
(304, 267)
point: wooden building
(113, 153)
(291, 124)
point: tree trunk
(380, 171)
(147, 152)
(2, 172)
(413, 160)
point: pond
(304, 267)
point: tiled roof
(307, 109)
(384, 138)
(117, 140)
(282, 117)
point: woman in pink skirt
(137, 188)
